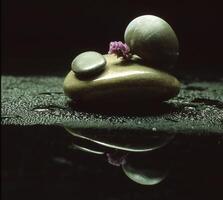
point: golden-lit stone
(122, 81)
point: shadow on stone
(89, 77)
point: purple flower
(120, 49)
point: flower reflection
(137, 153)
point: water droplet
(154, 129)
(54, 109)
(10, 116)
(49, 93)
(41, 109)
(57, 113)
(190, 108)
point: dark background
(43, 36)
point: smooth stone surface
(154, 40)
(123, 81)
(88, 63)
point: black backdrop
(43, 36)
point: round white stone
(153, 39)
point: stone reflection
(145, 169)
(78, 147)
(136, 152)
(131, 140)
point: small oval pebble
(88, 64)
(123, 81)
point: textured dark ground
(40, 100)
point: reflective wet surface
(48, 162)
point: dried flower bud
(120, 49)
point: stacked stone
(132, 72)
